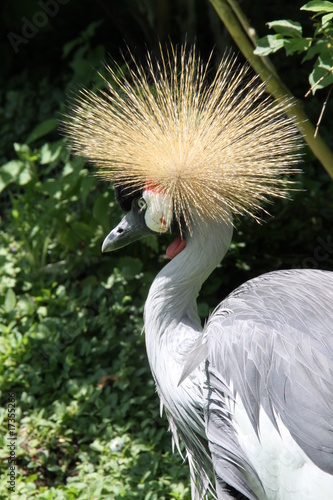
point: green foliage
(289, 35)
(71, 347)
(70, 344)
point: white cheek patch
(158, 214)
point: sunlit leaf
(297, 45)
(286, 27)
(322, 74)
(50, 152)
(268, 45)
(325, 19)
(10, 172)
(318, 6)
(10, 300)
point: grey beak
(131, 228)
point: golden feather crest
(215, 145)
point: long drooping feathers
(215, 145)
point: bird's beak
(131, 228)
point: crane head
(148, 212)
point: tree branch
(274, 85)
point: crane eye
(142, 204)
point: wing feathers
(272, 341)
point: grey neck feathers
(173, 329)
(171, 312)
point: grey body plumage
(270, 341)
(273, 338)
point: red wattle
(175, 248)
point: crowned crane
(251, 393)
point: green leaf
(91, 29)
(81, 68)
(10, 172)
(24, 152)
(97, 446)
(42, 129)
(322, 74)
(74, 235)
(87, 185)
(68, 47)
(130, 266)
(96, 488)
(325, 19)
(324, 31)
(297, 45)
(81, 230)
(286, 27)
(318, 6)
(26, 306)
(10, 300)
(52, 188)
(269, 44)
(101, 211)
(25, 175)
(319, 47)
(49, 152)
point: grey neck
(171, 312)
(172, 330)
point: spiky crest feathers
(213, 147)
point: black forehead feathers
(124, 196)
